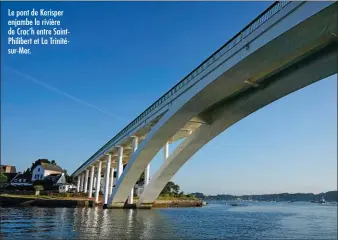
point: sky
(65, 102)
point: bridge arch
(229, 113)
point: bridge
(287, 47)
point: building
(22, 179)
(7, 169)
(57, 179)
(66, 187)
(45, 169)
(9, 177)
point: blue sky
(125, 55)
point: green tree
(175, 189)
(171, 188)
(69, 179)
(37, 189)
(3, 178)
(37, 163)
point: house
(22, 179)
(45, 169)
(66, 187)
(7, 169)
(9, 177)
(57, 179)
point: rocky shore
(30, 201)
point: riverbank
(10, 200)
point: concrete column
(94, 183)
(78, 183)
(98, 180)
(90, 192)
(111, 180)
(146, 175)
(86, 181)
(166, 150)
(82, 181)
(131, 194)
(119, 163)
(106, 181)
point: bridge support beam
(78, 183)
(86, 181)
(111, 180)
(90, 192)
(98, 180)
(106, 181)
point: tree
(171, 188)
(175, 189)
(3, 178)
(37, 163)
(141, 179)
(37, 189)
(69, 179)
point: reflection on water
(256, 220)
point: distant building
(66, 187)
(22, 179)
(45, 169)
(57, 179)
(7, 169)
(9, 177)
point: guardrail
(252, 26)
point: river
(217, 220)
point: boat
(322, 200)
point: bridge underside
(276, 63)
(226, 113)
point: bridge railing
(251, 27)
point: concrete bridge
(289, 46)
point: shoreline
(39, 201)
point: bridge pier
(111, 180)
(86, 181)
(90, 192)
(166, 151)
(106, 181)
(146, 175)
(98, 180)
(82, 182)
(119, 162)
(134, 148)
(78, 183)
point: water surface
(215, 221)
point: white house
(66, 187)
(45, 169)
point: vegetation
(329, 196)
(46, 184)
(3, 178)
(171, 189)
(37, 163)
(38, 188)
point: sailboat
(322, 200)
